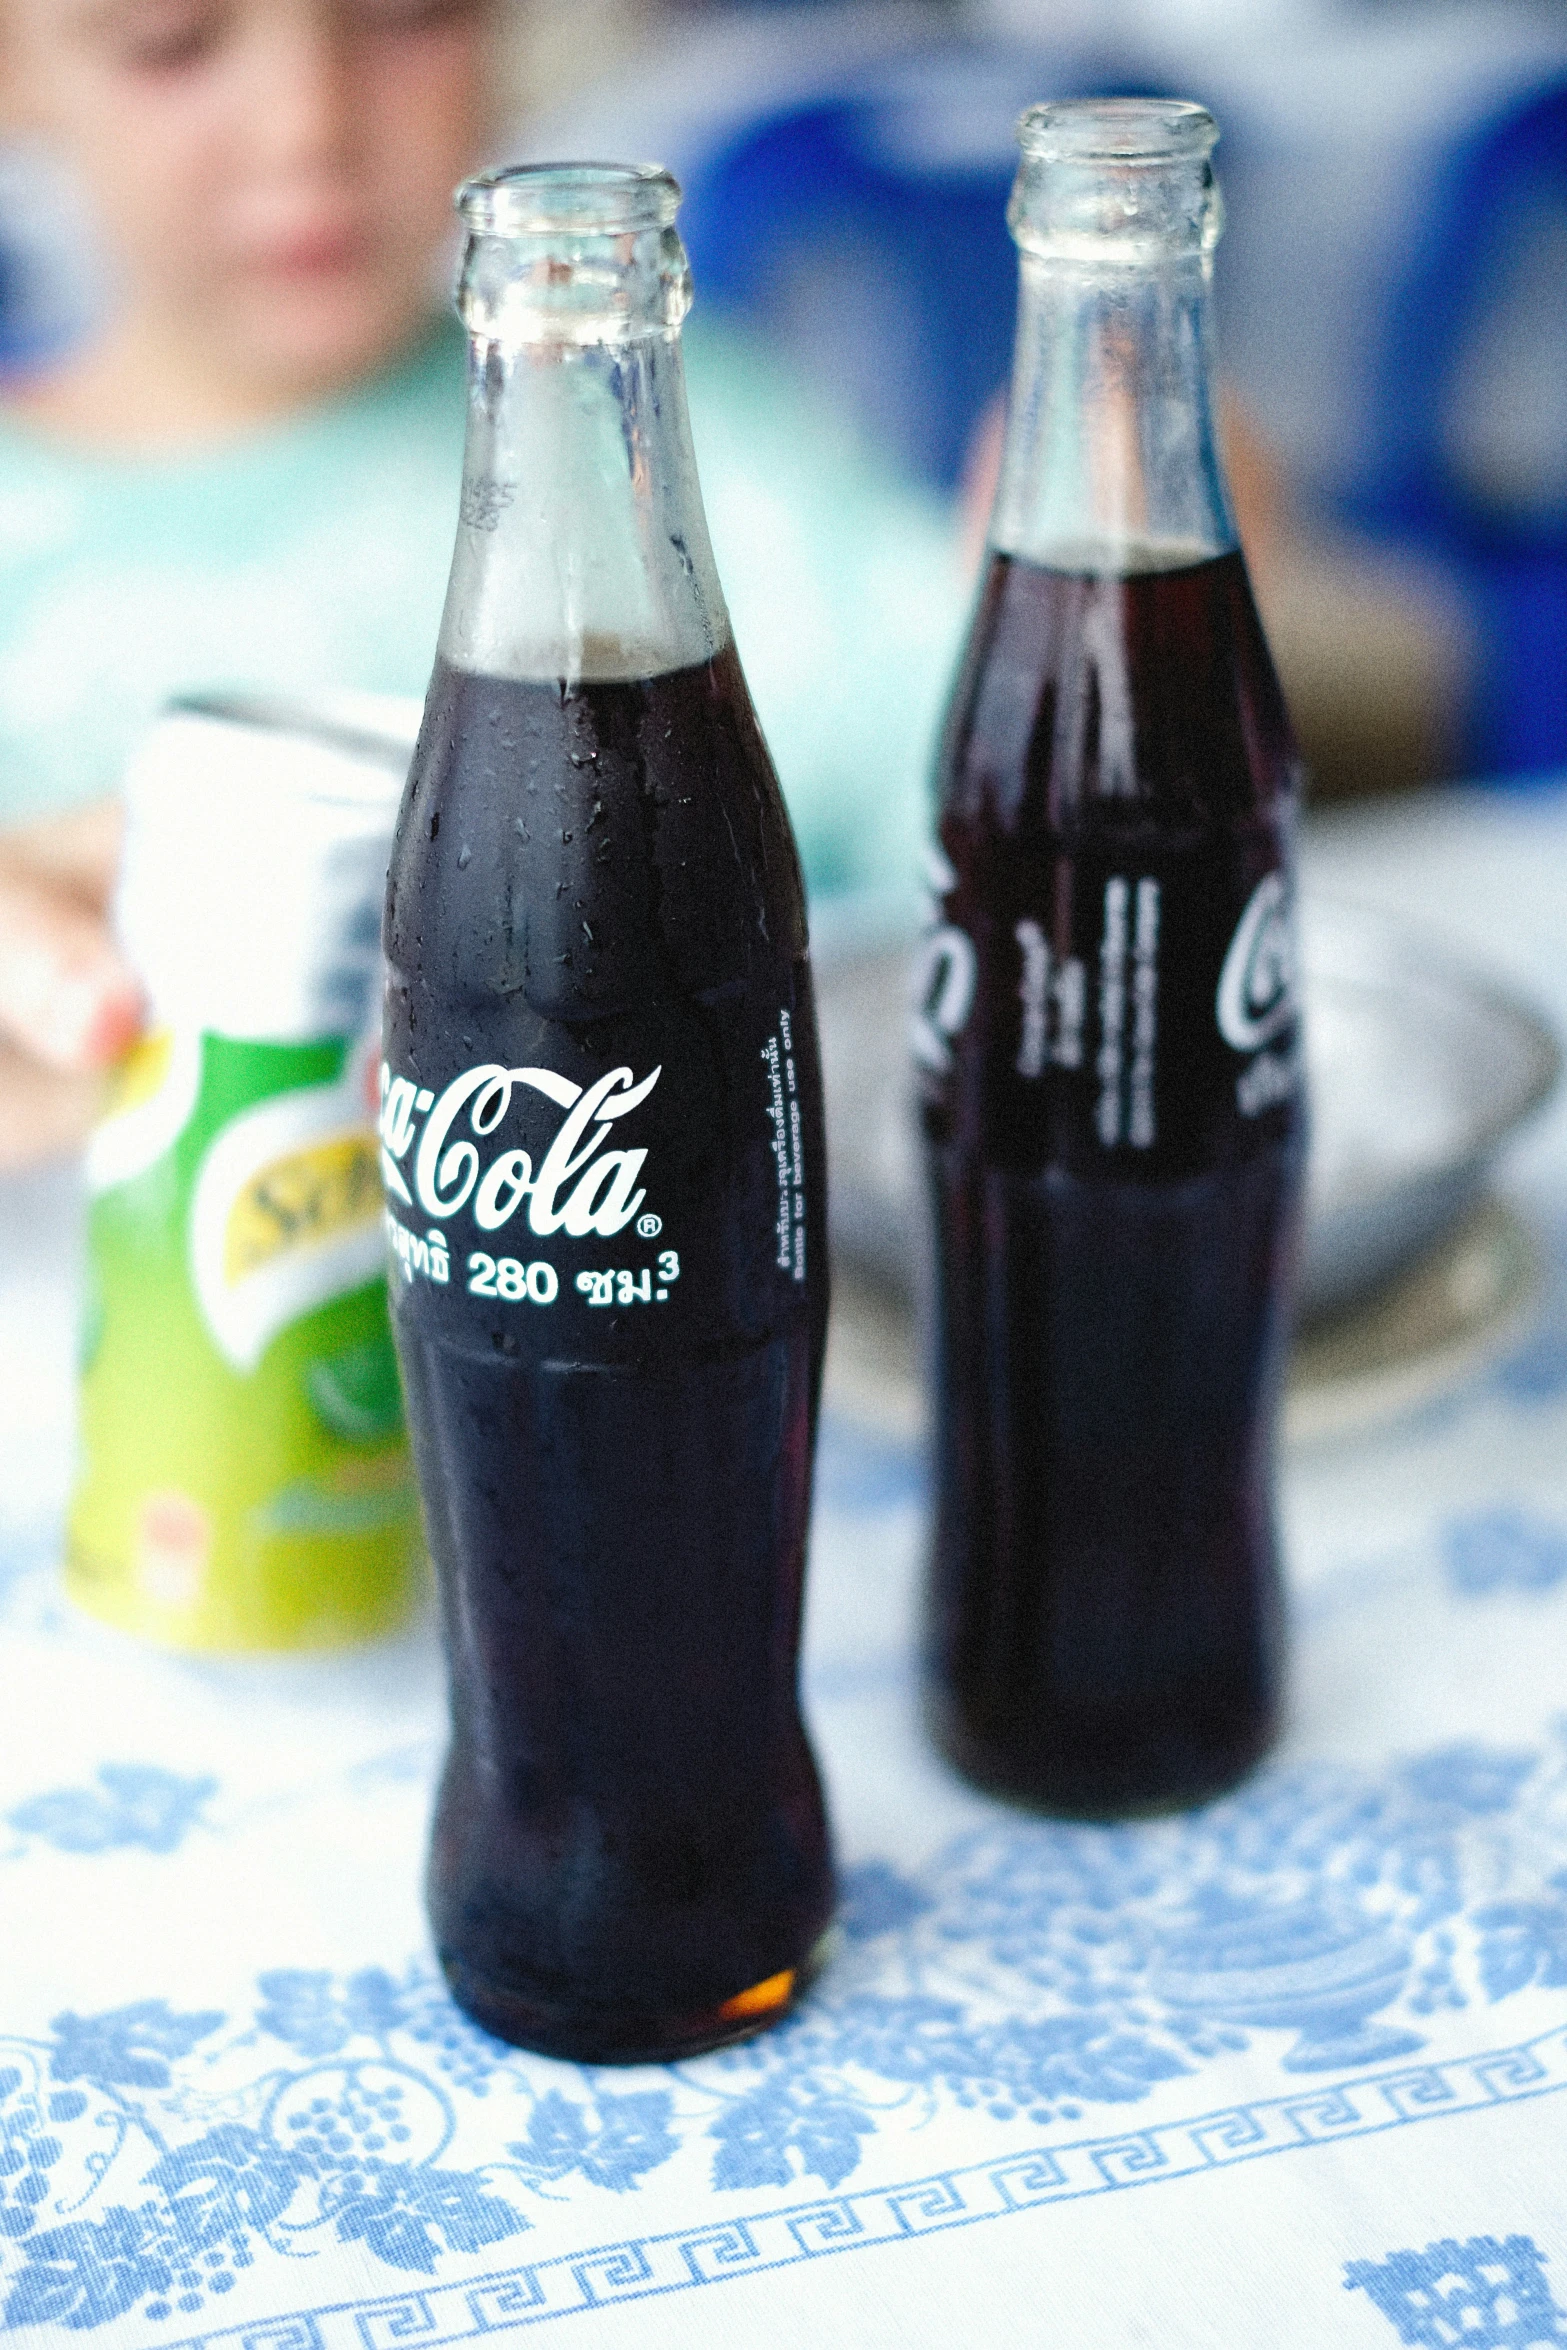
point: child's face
(275, 176)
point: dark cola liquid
(1110, 1056)
(612, 1392)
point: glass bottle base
(627, 2035)
(1130, 1784)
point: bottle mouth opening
(1123, 132)
(580, 199)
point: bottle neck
(1111, 461)
(582, 548)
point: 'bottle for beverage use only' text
(604, 1166)
(1107, 1031)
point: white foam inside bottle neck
(1106, 557)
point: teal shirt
(312, 555)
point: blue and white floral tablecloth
(1287, 2071)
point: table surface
(1031, 2097)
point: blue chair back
(1504, 542)
(864, 234)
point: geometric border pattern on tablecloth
(705, 2254)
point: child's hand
(68, 1002)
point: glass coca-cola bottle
(603, 1157)
(1107, 1032)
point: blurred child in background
(246, 476)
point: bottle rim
(1156, 132)
(574, 199)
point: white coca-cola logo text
(578, 1187)
(1257, 989)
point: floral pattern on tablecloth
(1323, 1920)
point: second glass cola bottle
(1107, 1031)
(603, 1158)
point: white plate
(1419, 1066)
